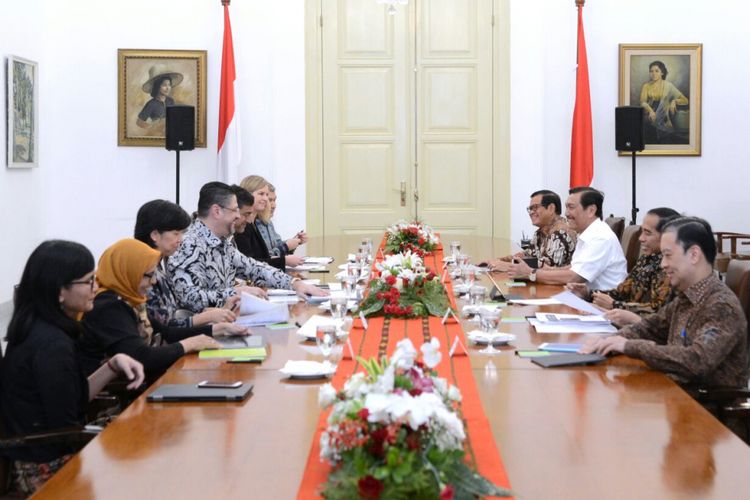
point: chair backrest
(631, 247)
(738, 280)
(616, 224)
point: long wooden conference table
(615, 430)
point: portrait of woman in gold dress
(660, 100)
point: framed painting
(149, 81)
(22, 93)
(664, 79)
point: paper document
(571, 319)
(307, 267)
(258, 353)
(551, 327)
(284, 299)
(572, 300)
(318, 260)
(308, 329)
(255, 311)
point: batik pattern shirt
(204, 269)
(162, 302)
(556, 248)
(700, 337)
(645, 289)
(276, 246)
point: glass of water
(349, 284)
(455, 249)
(339, 305)
(490, 321)
(325, 337)
(477, 297)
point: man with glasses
(553, 242)
(204, 268)
(597, 261)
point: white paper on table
(311, 325)
(567, 328)
(572, 300)
(307, 267)
(284, 299)
(280, 291)
(256, 311)
(318, 260)
(536, 302)
(571, 319)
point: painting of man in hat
(152, 80)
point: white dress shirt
(598, 257)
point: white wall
(543, 43)
(88, 189)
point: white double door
(407, 124)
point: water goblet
(325, 337)
(339, 304)
(490, 322)
(455, 249)
(367, 242)
(477, 296)
(348, 284)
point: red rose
(447, 493)
(412, 441)
(415, 392)
(390, 279)
(363, 413)
(369, 487)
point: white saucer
(307, 369)
(481, 338)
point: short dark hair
(244, 197)
(50, 268)
(157, 83)
(547, 198)
(590, 196)
(691, 231)
(159, 215)
(213, 193)
(661, 66)
(665, 214)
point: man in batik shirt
(553, 242)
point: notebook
(568, 359)
(240, 342)
(171, 393)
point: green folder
(258, 353)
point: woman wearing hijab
(43, 386)
(119, 322)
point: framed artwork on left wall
(150, 80)
(22, 98)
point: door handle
(403, 193)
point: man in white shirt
(597, 261)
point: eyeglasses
(533, 208)
(90, 282)
(235, 209)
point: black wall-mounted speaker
(629, 128)
(180, 128)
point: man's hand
(604, 346)
(518, 269)
(293, 260)
(252, 290)
(603, 300)
(230, 329)
(621, 317)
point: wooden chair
(616, 224)
(631, 247)
(724, 256)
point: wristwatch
(532, 275)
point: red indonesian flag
(229, 150)
(582, 147)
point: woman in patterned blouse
(160, 224)
(646, 288)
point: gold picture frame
(143, 93)
(666, 80)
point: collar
(698, 291)
(592, 229)
(202, 230)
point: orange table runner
(380, 339)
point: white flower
(356, 386)
(431, 353)
(404, 355)
(326, 396)
(454, 394)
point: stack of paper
(318, 260)
(255, 311)
(311, 325)
(307, 267)
(571, 323)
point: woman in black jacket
(43, 386)
(119, 321)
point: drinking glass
(367, 242)
(325, 337)
(477, 297)
(339, 305)
(348, 284)
(490, 321)
(455, 249)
